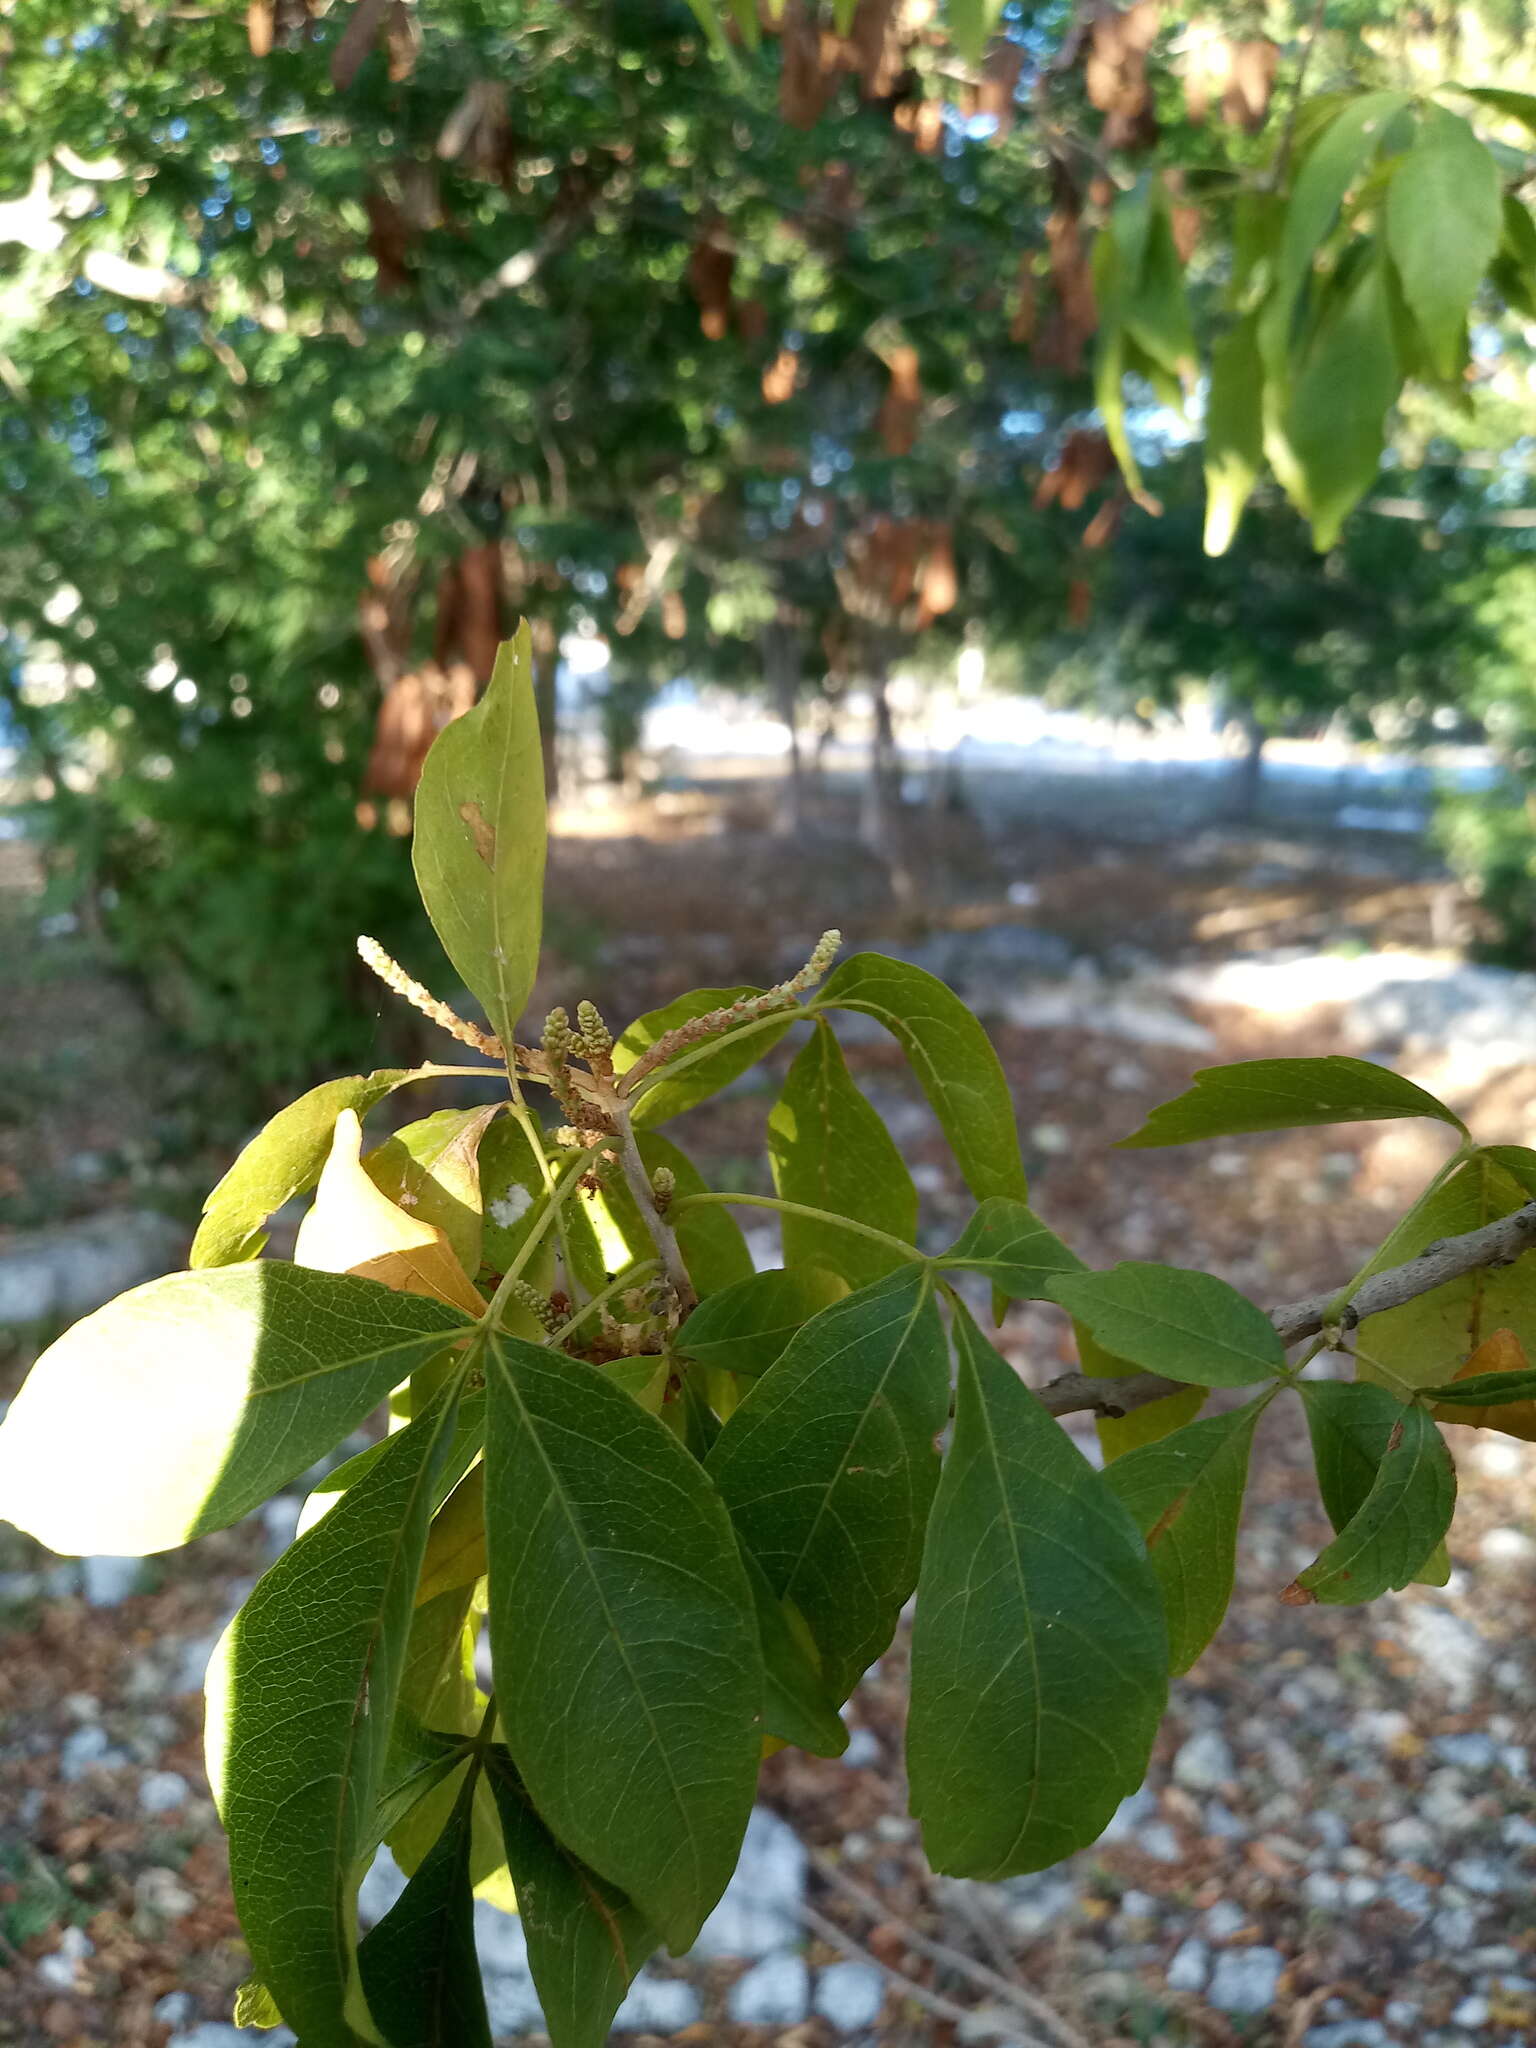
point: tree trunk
(880, 825)
(545, 636)
(780, 647)
(1249, 772)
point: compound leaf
(1006, 1241)
(1185, 1494)
(480, 839)
(707, 1071)
(1393, 1531)
(828, 1466)
(282, 1160)
(1039, 1661)
(420, 1972)
(745, 1328)
(1286, 1095)
(1445, 220)
(301, 1703)
(1166, 1319)
(624, 1641)
(829, 1150)
(585, 1939)
(185, 1403)
(952, 1058)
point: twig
(1496, 1244)
(942, 2008)
(980, 1974)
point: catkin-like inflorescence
(595, 1037)
(537, 1305)
(394, 976)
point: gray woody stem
(662, 1235)
(1496, 1244)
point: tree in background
(368, 327)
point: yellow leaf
(1502, 1352)
(354, 1228)
(456, 1546)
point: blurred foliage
(770, 373)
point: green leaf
(829, 1150)
(1514, 268)
(1338, 155)
(1156, 309)
(1109, 354)
(1008, 1243)
(1444, 220)
(431, 1169)
(1185, 1495)
(1395, 1528)
(1422, 1343)
(301, 1702)
(1519, 106)
(282, 1160)
(419, 1968)
(745, 1328)
(622, 1633)
(710, 1240)
(1234, 432)
(1149, 1423)
(1167, 1319)
(795, 1703)
(1350, 1422)
(480, 835)
(707, 1072)
(1485, 1390)
(1039, 1662)
(970, 23)
(255, 2006)
(1335, 423)
(829, 1465)
(1286, 1095)
(185, 1403)
(586, 1941)
(952, 1058)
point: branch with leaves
(692, 1498)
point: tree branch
(1496, 1244)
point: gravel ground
(1337, 1841)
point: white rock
(1139, 1806)
(760, 1911)
(1222, 1823)
(1036, 1902)
(174, 2009)
(60, 1971)
(659, 2005)
(163, 1792)
(88, 1749)
(379, 1889)
(1408, 1837)
(1160, 1843)
(1477, 1874)
(1322, 1891)
(1225, 1919)
(1347, 2034)
(1205, 1762)
(108, 1581)
(849, 1995)
(1190, 1967)
(1472, 2012)
(1246, 1980)
(1407, 1894)
(65, 1272)
(160, 1893)
(775, 1992)
(1474, 1752)
(863, 1749)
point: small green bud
(596, 1038)
(663, 1188)
(557, 1038)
